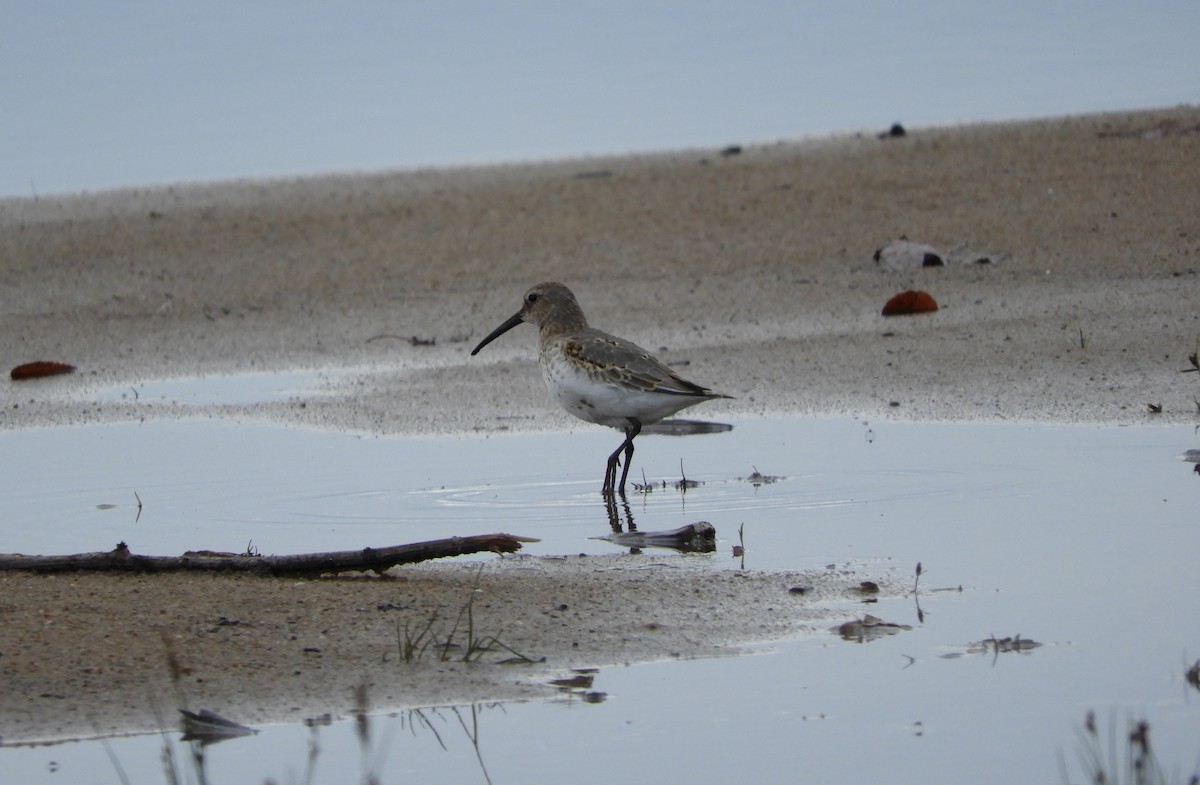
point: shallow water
(1081, 538)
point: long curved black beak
(512, 322)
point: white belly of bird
(606, 403)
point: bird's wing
(617, 361)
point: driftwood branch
(698, 537)
(120, 559)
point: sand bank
(756, 269)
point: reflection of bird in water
(614, 517)
(598, 377)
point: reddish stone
(910, 302)
(36, 370)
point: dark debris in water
(757, 478)
(580, 681)
(868, 628)
(580, 686)
(994, 646)
(1003, 645)
(698, 537)
(207, 727)
(680, 485)
(1192, 675)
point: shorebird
(598, 377)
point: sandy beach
(1068, 294)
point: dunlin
(598, 377)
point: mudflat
(1068, 294)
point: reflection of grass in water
(1141, 766)
(372, 756)
(412, 641)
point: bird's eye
(532, 297)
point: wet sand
(100, 654)
(756, 270)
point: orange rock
(36, 370)
(909, 302)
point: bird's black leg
(610, 471)
(634, 429)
